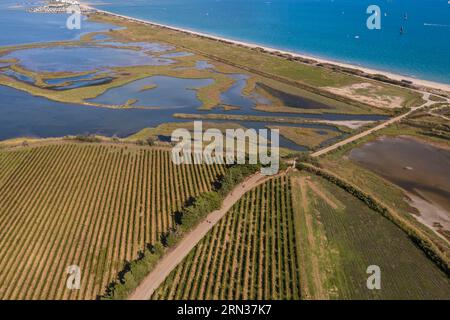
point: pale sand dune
(371, 95)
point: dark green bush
(197, 209)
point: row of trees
(195, 210)
(134, 272)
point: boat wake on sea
(436, 25)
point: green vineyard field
(91, 205)
(339, 237)
(250, 254)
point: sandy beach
(398, 77)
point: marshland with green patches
(157, 73)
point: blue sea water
(333, 29)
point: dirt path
(426, 97)
(318, 291)
(168, 263)
(431, 112)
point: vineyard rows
(250, 254)
(90, 205)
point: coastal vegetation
(434, 247)
(122, 76)
(166, 129)
(431, 123)
(419, 125)
(308, 137)
(286, 120)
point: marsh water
(83, 58)
(85, 80)
(421, 169)
(22, 114)
(30, 116)
(165, 92)
(25, 115)
(58, 81)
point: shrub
(133, 273)
(191, 214)
(87, 138)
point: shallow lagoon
(22, 114)
(58, 81)
(17, 75)
(80, 59)
(421, 169)
(25, 115)
(203, 65)
(284, 142)
(169, 92)
(176, 55)
(84, 83)
(293, 101)
(234, 95)
(176, 93)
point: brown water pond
(421, 169)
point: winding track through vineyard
(250, 254)
(92, 205)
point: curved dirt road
(172, 258)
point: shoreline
(368, 70)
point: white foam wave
(437, 25)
